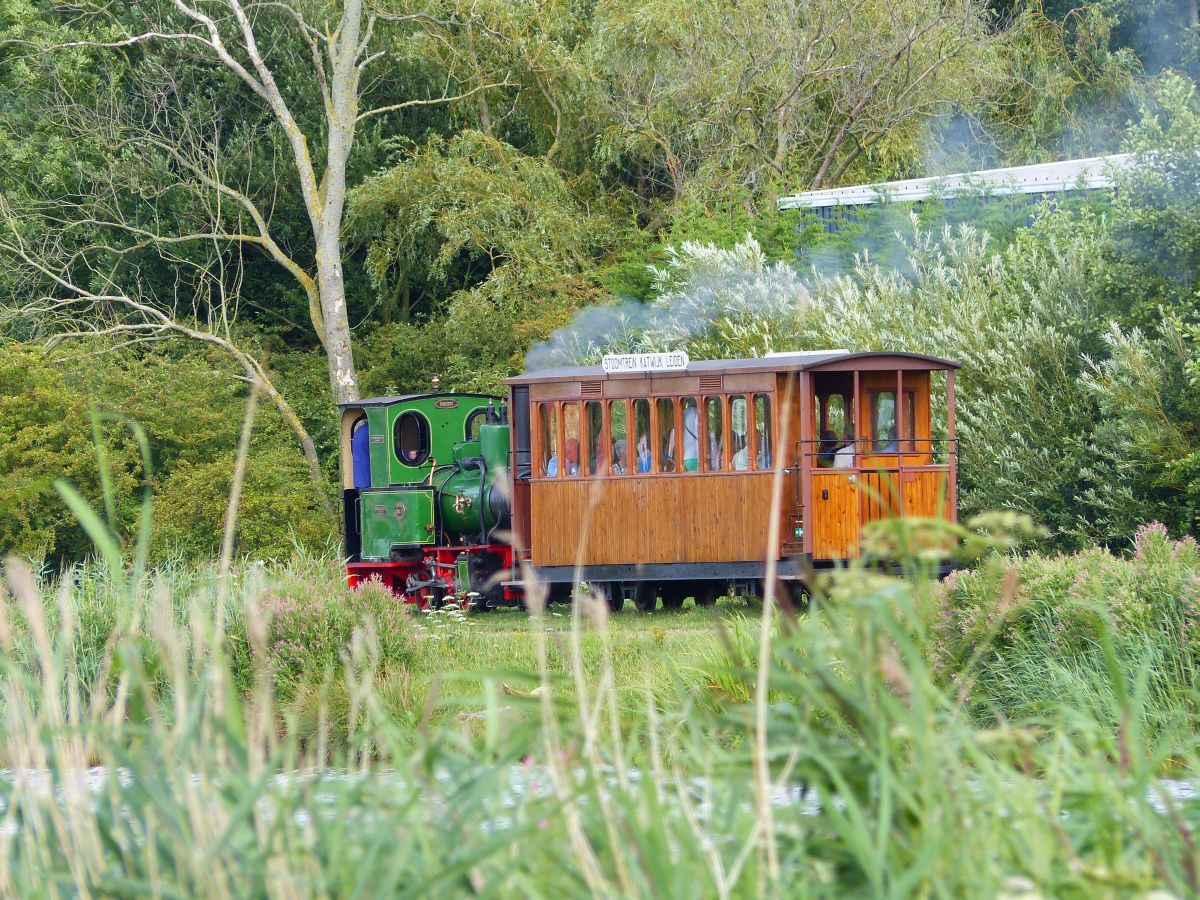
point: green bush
(279, 509)
(191, 406)
(1035, 624)
(46, 434)
(310, 624)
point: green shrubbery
(1036, 631)
(310, 618)
(46, 433)
(191, 407)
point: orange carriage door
(828, 455)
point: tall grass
(1046, 633)
(235, 733)
(145, 756)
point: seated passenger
(715, 459)
(691, 440)
(740, 459)
(598, 463)
(844, 457)
(571, 453)
(618, 466)
(643, 454)
(552, 467)
(827, 449)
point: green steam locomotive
(425, 496)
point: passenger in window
(618, 466)
(827, 449)
(667, 463)
(740, 459)
(844, 457)
(599, 460)
(714, 415)
(691, 437)
(552, 467)
(643, 453)
(571, 455)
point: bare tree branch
(435, 101)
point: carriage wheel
(559, 592)
(645, 596)
(707, 593)
(787, 592)
(612, 594)
(673, 594)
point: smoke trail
(702, 292)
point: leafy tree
(700, 100)
(1067, 90)
(1153, 257)
(500, 243)
(184, 73)
(46, 434)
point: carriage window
(593, 420)
(762, 428)
(883, 420)
(410, 438)
(835, 416)
(691, 434)
(668, 451)
(739, 423)
(360, 453)
(570, 416)
(548, 438)
(641, 431)
(474, 420)
(714, 422)
(618, 426)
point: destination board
(671, 361)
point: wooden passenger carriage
(664, 482)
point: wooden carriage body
(674, 475)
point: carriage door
(829, 457)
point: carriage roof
(827, 360)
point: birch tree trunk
(225, 32)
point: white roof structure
(1043, 178)
(806, 355)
